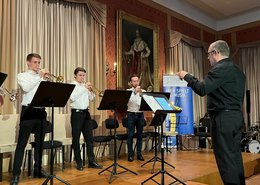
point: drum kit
(250, 140)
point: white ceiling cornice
(187, 9)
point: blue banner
(181, 96)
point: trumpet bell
(12, 97)
(60, 79)
(50, 77)
(101, 93)
(97, 91)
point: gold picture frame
(137, 51)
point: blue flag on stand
(181, 96)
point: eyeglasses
(211, 52)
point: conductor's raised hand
(181, 74)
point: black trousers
(32, 120)
(226, 135)
(80, 123)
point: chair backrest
(62, 126)
(206, 123)
(9, 125)
(48, 128)
(110, 123)
(124, 122)
(93, 123)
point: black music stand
(155, 122)
(51, 94)
(2, 78)
(115, 100)
(160, 116)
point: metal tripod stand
(156, 158)
(162, 172)
(115, 163)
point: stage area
(196, 167)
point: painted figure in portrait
(137, 54)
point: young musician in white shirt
(135, 118)
(32, 119)
(80, 116)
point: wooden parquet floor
(196, 167)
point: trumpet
(50, 77)
(59, 78)
(100, 93)
(137, 90)
(12, 95)
(96, 91)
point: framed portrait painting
(137, 51)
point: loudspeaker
(248, 104)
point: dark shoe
(80, 167)
(130, 158)
(15, 180)
(94, 165)
(140, 157)
(37, 174)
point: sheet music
(154, 105)
(163, 103)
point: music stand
(115, 100)
(155, 122)
(49, 94)
(2, 78)
(161, 107)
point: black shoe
(80, 167)
(94, 165)
(140, 157)
(15, 180)
(130, 158)
(41, 174)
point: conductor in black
(225, 88)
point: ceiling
(216, 14)
(222, 9)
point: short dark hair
(31, 55)
(131, 76)
(79, 69)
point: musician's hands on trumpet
(134, 83)
(89, 86)
(93, 89)
(137, 89)
(46, 75)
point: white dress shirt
(80, 96)
(134, 101)
(29, 81)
